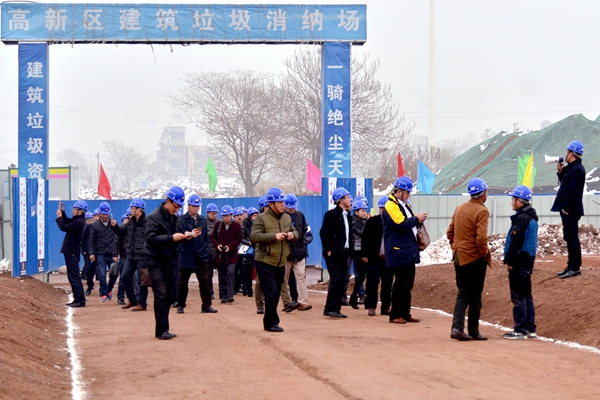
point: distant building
(172, 154)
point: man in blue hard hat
(338, 246)
(101, 247)
(160, 253)
(71, 247)
(212, 212)
(519, 257)
(569, 203)
(468, 236)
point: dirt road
(228, 355)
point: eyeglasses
(177, 206)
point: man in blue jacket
(193, 255)
(519, 256)
(569, 203)
(401, 250)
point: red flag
(104, 185)
(313, 177)
(400, 167)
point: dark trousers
(520, 295)
(89, 270)
(377, 272)
(162, 274)
(131, 266)
(348, 272)
(237, 275)
(469, 280)
(176, 275)
(337, 267)
(293, 285)
(271, 278)
(404, 280)
(73, 273)
(210, 271)
(226, 280)
(360, 268)
(246, 275)
(571, 236)
(184, 279)
(113, 280)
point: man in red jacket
(225, 238)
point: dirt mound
(34, 363)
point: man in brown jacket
(468, 237)
(271, 232)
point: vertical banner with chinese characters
(40, 219)
(33, 110)
(20, 226)
(335, 114)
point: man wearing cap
(193, 255)
(401, 250)
(160, 253)
(101, 247)
(519, 257)
(135, 233)
(338, 246)
(226, 237)
(271, 233)
(569, 203)
(71, 247)
(468, 236)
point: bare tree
(236, 110)
(124, 161)
(379, 130)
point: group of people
(163, 249)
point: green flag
(522, 167)
(212, 175)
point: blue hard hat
(338, 194)
(176, 195)
(576, 147)
(104, 208)
(179, 212)
(252, 211)
(82, 205)
(522, 192)
(237, 211)
(226, 210)
(128, 211)
(404, 183)
(275, 194)
(476, 185)
(96, 212)
(212, 207)
(138, 203)
(125, 216)
(291, 201)
(194, 200)
(89, 215)
(262, 202)
(361, 198)
(359, 205)
(382, 201)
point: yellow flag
(528, 176)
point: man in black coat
(101, 243)
(160, 252)
(569, 203)
(89, 268)
(372, 247)
(337, 247)
(71, 247)
(193, 255)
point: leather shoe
(397, 321)
(139, 307)
(564, 271)
(88, 291)
(345, 303)
(128, 305)
(180, 310)
(260, 310)
(479, 336)
(166, 336)
(304, 307)
(411, 319)
(371, 312)
(460, 336)
(69, 304)
(291, 306)
(275, 328)
(570, 273)
(76, 305)
(385, 312)
(334, 314)
(209, 310)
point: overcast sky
(498, 62)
